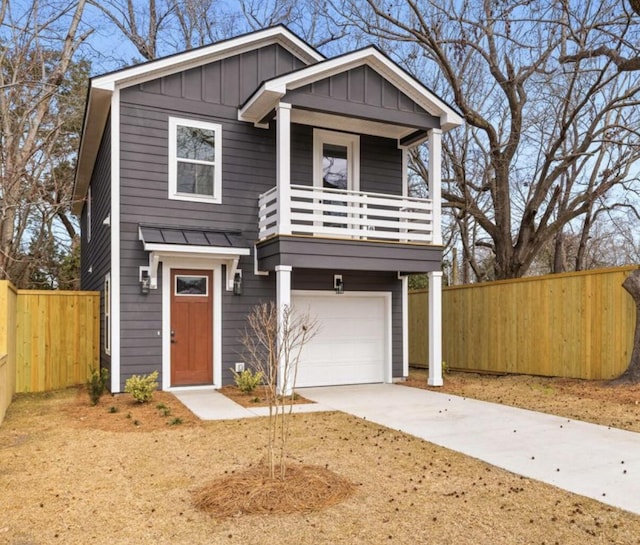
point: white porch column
(435, 328)
(283, 303)
(435, 180)
(283, 167)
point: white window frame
(350, 141)
(216, 198)
(107, 314)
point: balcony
(343, 214)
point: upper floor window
(195, 151)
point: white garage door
(353, 340)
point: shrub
(142, 387)
(97, 384)
(247, 381)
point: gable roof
(101, 88)
(271, 91)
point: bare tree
(162, 27)
(546, 140)
(39, 88)
(273, 346)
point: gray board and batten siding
(363, 93)
(212, 93)
(95, 254)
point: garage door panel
(351, 344)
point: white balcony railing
(348, 214)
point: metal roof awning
(163, 242)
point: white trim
(405, 326)
(351, 142)
(204, 55)
(262, 101)
(216, 198)
(107, 314)
(283, 301)
(435, 181)
(387, 372)
(362, 126)
(405, 172)
(216, 290)
(283, 167)
(218, 251)
(435, 329)
(115, 242)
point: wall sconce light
(145, 282)
(237, 283)
(338, 285)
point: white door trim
(351, 142)
(387, 371)
(191, 263)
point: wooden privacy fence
(50, 339)
(8, 300)
(574, 325)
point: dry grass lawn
(71, 474)
(588, 400)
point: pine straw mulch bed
(122, 413)
(599, 402)
(257, 398)
(304, 489)
(64, 480)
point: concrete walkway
(587, 459)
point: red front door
(191, 327)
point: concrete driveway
(594, 461)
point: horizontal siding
(96, 253)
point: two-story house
(251, 170)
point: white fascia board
(266, 97)
(203, 55)
(98, 106)
(183, 249)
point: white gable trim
(115, 242)
(204, 55)
(265, 98)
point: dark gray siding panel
(305, 279)
(256, 290)
(380, 165)
(362, 92)
(318, 253)
(301, 154)
(95, 254)
(229, 81)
